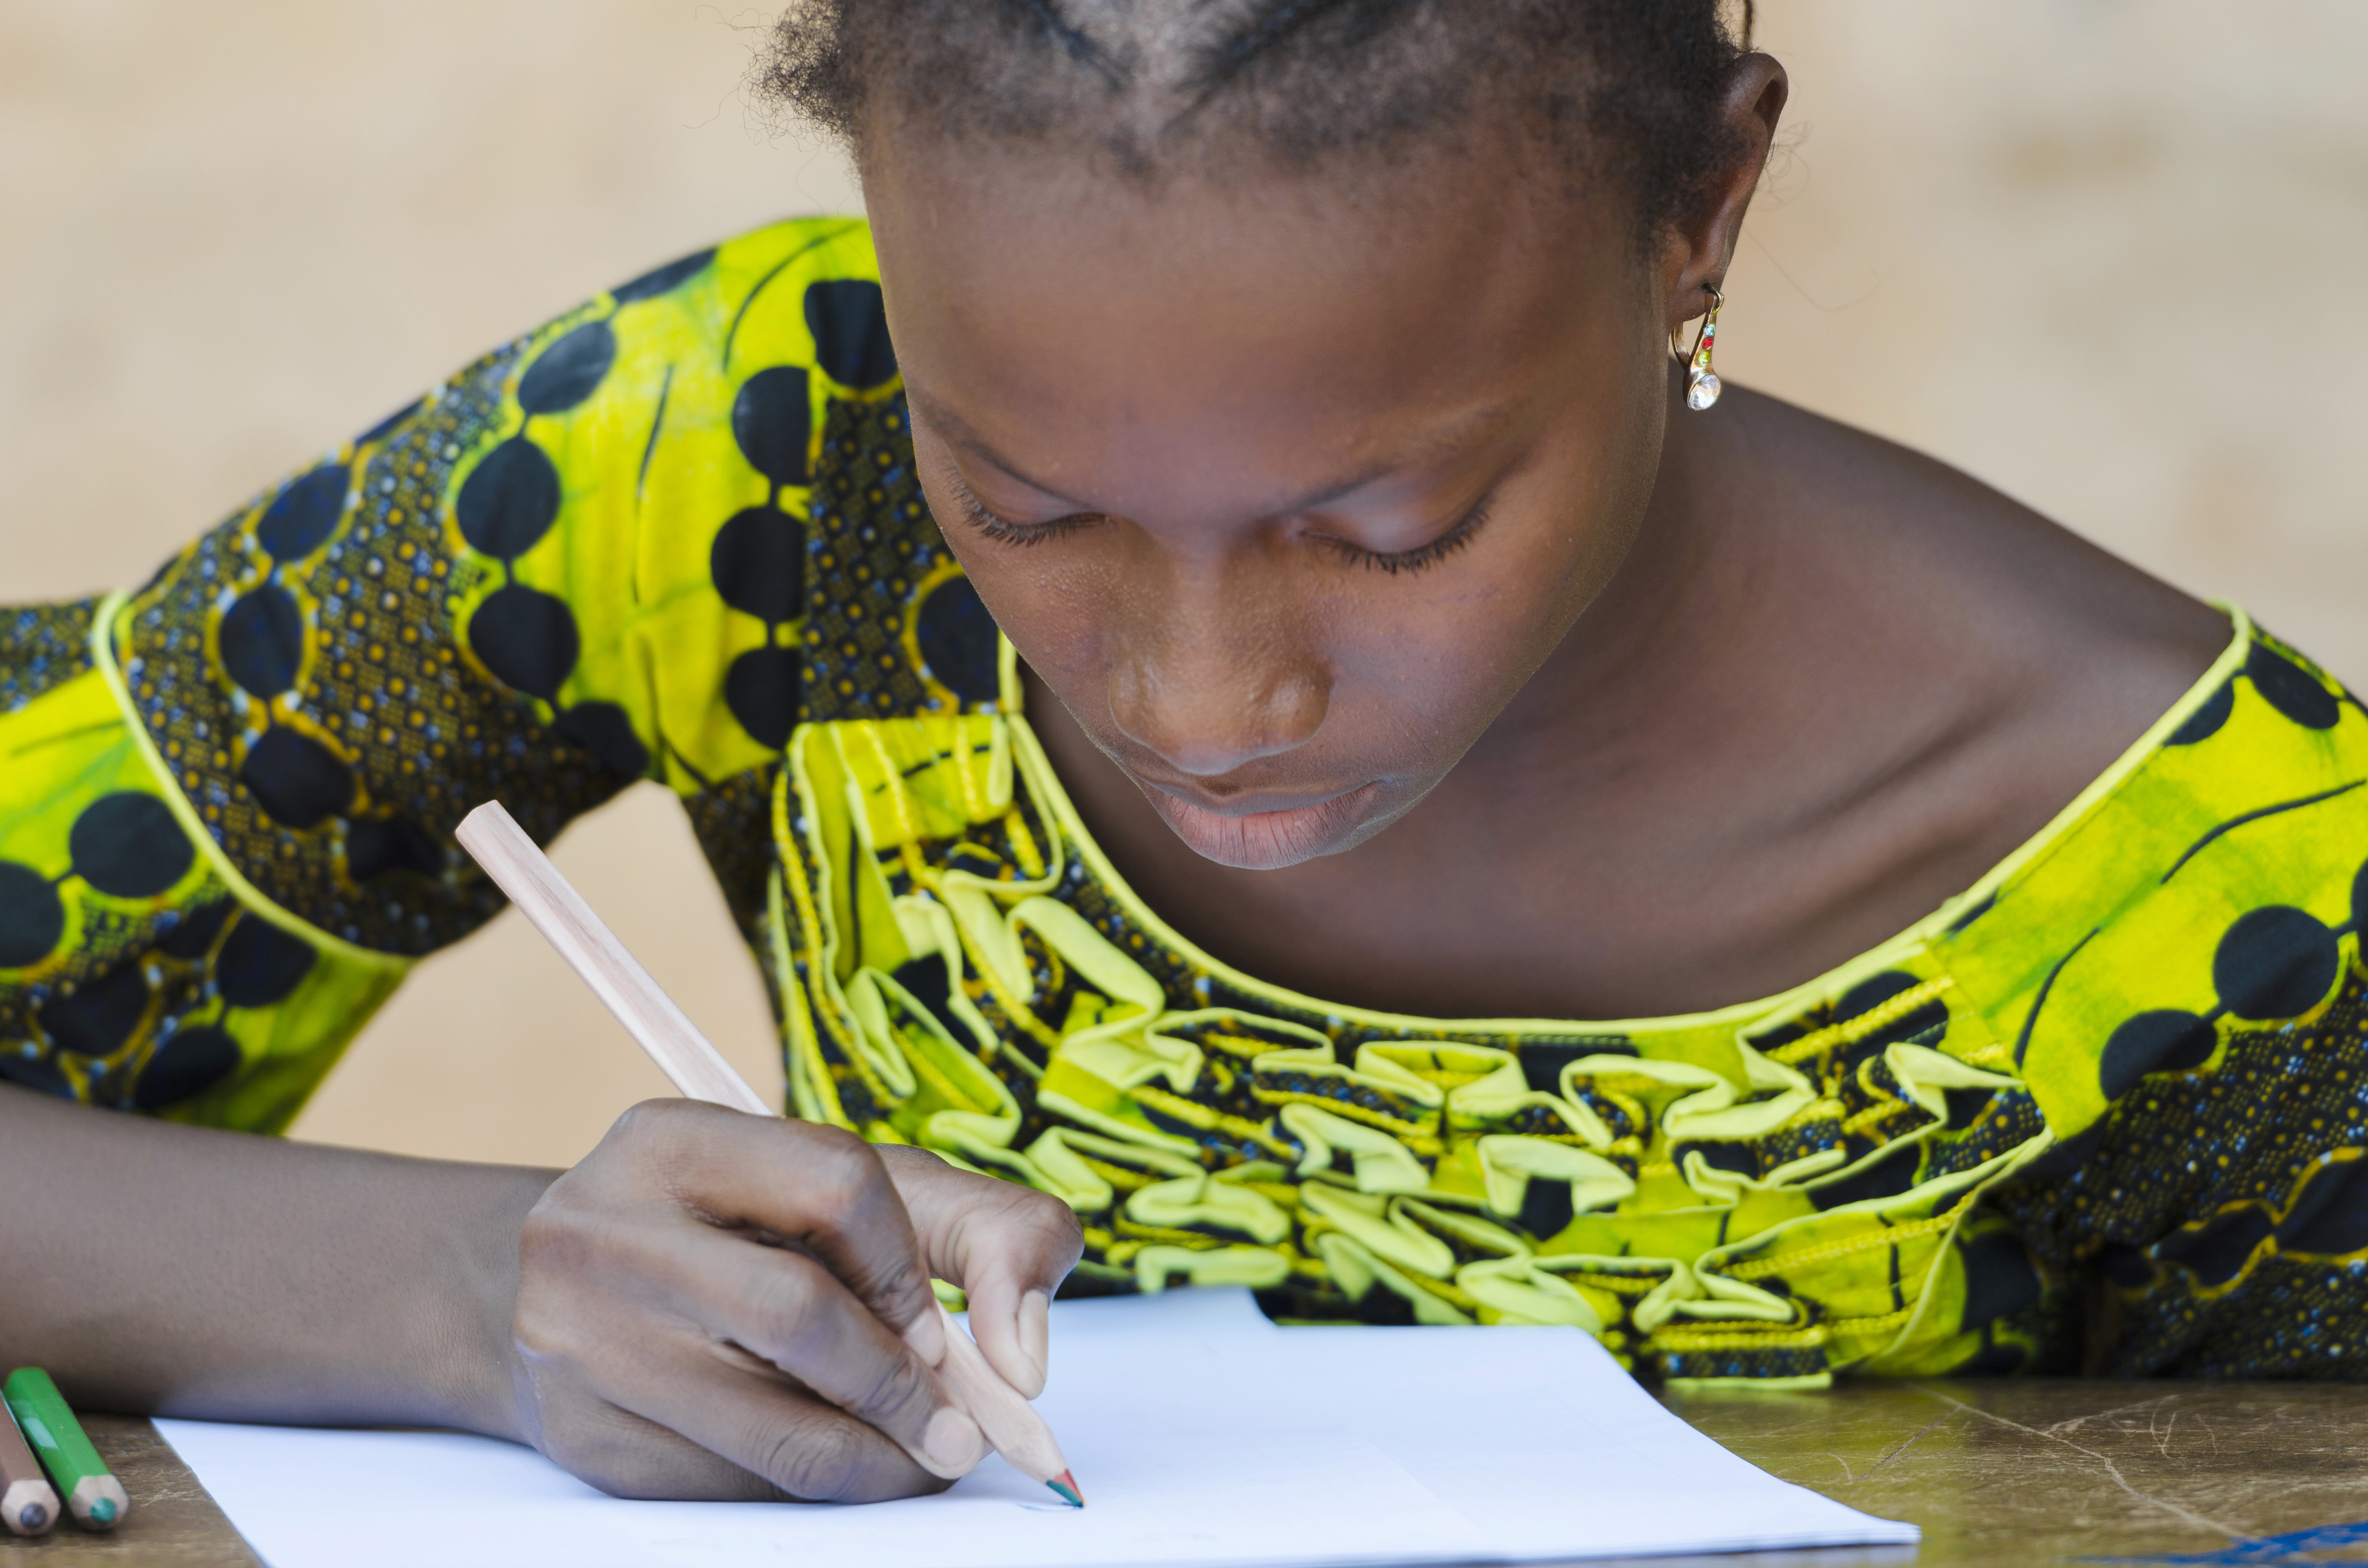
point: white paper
(1201, 1433)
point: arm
(224, 831)
(193, 1272)
(711, 1305)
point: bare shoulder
(1964, 590)
(1957, 668)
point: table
(2006, 1473)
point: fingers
(712, 1295)
(1008, 1247)
(727, 1436)
(816, 1187)
(770, 1308)
(789, 1312)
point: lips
(1264, 840)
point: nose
(1216, 674)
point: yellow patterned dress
(2108, 1106)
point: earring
(1702, 385)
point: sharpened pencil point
(103, 1511)
(1067, 1486)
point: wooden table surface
(2000, 1474)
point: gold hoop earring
(1702, 385)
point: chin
(1267, 841)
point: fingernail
(1035, 1334)
(926, 1335)
(953, 1442)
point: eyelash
(1416, 560)
(1392, 561)
(1022, 535)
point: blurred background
(2100, 253)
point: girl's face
(1284, 490)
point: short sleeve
(226, 816)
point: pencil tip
(1067, 1486)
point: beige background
(2100, 254)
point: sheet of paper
(1202, 1435)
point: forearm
(182, 1271)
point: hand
(718, 1305)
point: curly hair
(1624, 88)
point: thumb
(1007, 1246)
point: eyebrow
(1453, 433)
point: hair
(1624, 89)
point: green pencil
(95, 1497)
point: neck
(1664, 658)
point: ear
(1695, 258)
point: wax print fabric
(2105, 1108)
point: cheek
(1440, 654)
(1424, 669)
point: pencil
(699, 1070)
(28, 1504)
(95, 1497)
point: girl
(1261, 733)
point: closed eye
(1003, 530)
(1395, 562)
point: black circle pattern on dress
(32, 917)
(377, 846)
(101, 1013)
(2164, 1042)
(569, 370)
(262, 640)
(38, 1073)
(509, 500)
(761, 689)
(663, 280)
(772, 420)
(299, 782)
(191, 1061)
(759, 563)
(527, 638)
(2274, 962)
(2330, 1216)
(191, 935)
(850, 332)
(302, 517)
(1999, 1278)
(606, 730)
(260, 964)
(2209, 715)
(957, 640)
(2292, 690)
(129, 845)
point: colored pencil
(28, 1504)
(697, 1069)
(95, 1497)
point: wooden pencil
(697, 1069)
(95, 1497)
(28, 1504)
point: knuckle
(820, 1461)
(843, 1180)
(899, 1386)
(665, 1143)
(842, 1165)
(782, 1303)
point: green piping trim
(102, 653)
(1049, 791)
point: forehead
(1089, 321)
